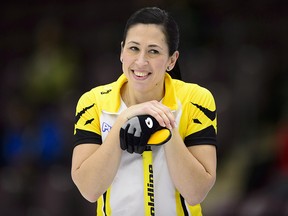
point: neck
(132, 97)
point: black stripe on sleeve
(205, 136)
(82, 137)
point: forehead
(146, 32)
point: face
(145, 57)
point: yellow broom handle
(148, 182)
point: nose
(141, 59)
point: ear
(121, 58)
(173, 60)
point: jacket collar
(113, 102)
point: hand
(136, 132)
(154, 108)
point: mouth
(141, 74)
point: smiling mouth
(141, 74)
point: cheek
(160, 70)
(160, 66)
(127, 60)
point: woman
(184, 167)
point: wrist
(124, 117)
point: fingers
(160, 112)
(163, 115)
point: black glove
(136, 132)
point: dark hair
(154, 15)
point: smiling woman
(112, 162)
(145, 58)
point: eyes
(151, 51)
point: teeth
(141, 74)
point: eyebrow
(151, 45)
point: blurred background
(51, 52)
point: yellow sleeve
(201, 116)
(87, 114)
